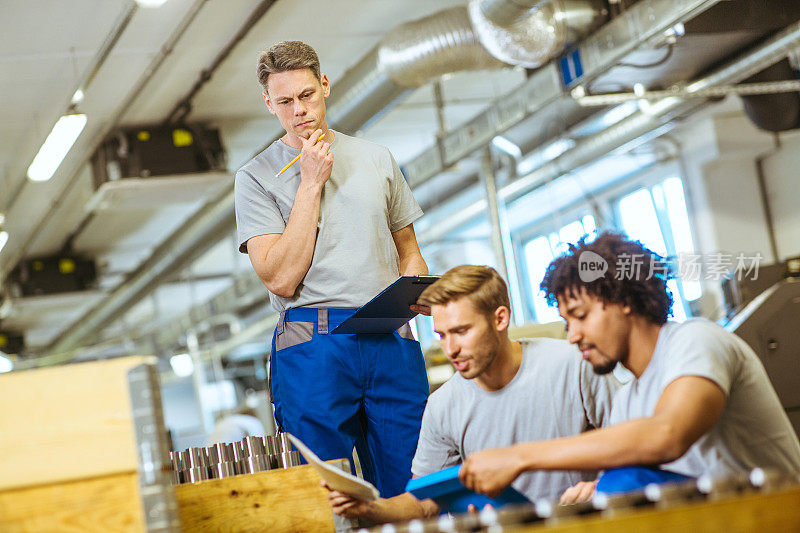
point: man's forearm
(640, 441)
(402, 507)
(289, 259)
(413, 265)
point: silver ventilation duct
(448, 41)
(410, 56)
(506, 12)
(538, 35)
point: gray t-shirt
(753, 430)
(365, 200)
(554, 394)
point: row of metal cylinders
(221, 460)
(550, 512)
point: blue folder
(390, 309)
(446, 489)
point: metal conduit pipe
(412, 55)
(633, 127)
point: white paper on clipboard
(335, 478)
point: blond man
(503, 392)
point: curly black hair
(643, 288)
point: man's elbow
(667, 444)
(280, 288)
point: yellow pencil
(293, 161)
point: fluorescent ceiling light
(150, 3)
(77, 98)
(6, 365)
(504, 145)
(2, 218)
(56, 147)
(182, 364)
(3, 239)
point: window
(540, 251)
(658, 218)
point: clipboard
(390, 309)
(446, 490)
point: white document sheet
(336, 478)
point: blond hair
(286, 55)
(481, 284)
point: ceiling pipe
(650, 118)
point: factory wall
(720, 152)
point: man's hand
(580, 492)
(316, 162)
(491, 471)
(345, 505)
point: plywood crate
(83, 448)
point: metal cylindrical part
(271, 446)
(256, 463)
(192, 475)
(254, 458)
(223, 460)
(194, 458)
(240, 459)
(253, 446)
(175, 462)
(714, 487)
(194, 462)
(284, 444)
(667, 494)
(288, 459)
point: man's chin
(605, 368)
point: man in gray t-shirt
(553, 394)
(326, 234)
(504, 392)
(700, 401)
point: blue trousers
(628, 478)
(337, 391)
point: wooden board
(66, 423)
(276, 501)
(103, 504)
(778, 511)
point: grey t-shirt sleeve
(257, 212)
(597, 393)
(435, 449)
(403, 208)
(694, 350)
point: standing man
(326, 236)
(504, 392)
(700, 402)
